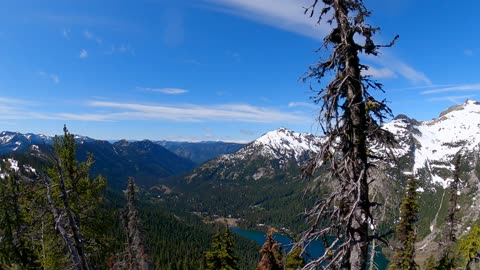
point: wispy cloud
(379, 73)
(194, 113)
(173, 27)
(289, 15)
(51, 76)
(90, 36)
(247, 132)
(285, 14)
(468, 52)
(458, 88)
(302, 104)
(430, 86)
(453, 99)
(168, 91)
(392, 66)
(108, 111)
(120, 49)
(83, 53)
(66, 33)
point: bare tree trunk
(60, 228)
(372, 256)
(71, 221)
(359, 198)
(349, 115)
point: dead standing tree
(350, 118)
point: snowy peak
(433, 144)
(276, 154)
(469, 104)
(16, 141)
(284, 141)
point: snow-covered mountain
(278, 152)
(432, 145)
(282, 145)
(17, 142)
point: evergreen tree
(74, 200)
(295, 259)
(272, 257)
(213, 258)
(430, 263)
(136, 255)
(406, 230)
(221, 256)
(230, 260)
(349, 117)
(16, 248)
(469, 246)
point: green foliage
(446, 263)
(85, 195)
(469, 245)
(16, 248)
(295, 259)
(278, 201)
(430, 263)
(406, 229)
(221, 256)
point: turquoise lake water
(315, 249)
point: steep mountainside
(200, 152)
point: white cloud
(285, 14)
(120, 49)
(193, 113)
(379, 73)
(410, 73)
(66, 33)
(302, 104)
(458, 88)
(289, 15)
(83, 53)
(88, 35)
(391, 64)
(53, 77)
(168, 91)
(453, 99)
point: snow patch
(13, 164)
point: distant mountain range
(200, 152)
(147, 161)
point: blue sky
(213, 69)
